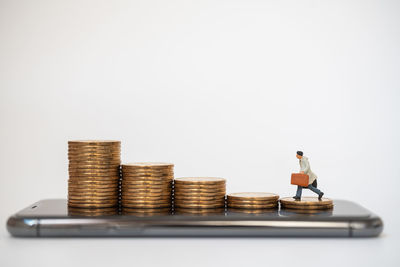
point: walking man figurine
(312, 178)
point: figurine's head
(299, 154)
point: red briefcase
(299, 179)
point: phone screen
(56, 208)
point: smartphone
(53, 218)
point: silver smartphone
(53, 218)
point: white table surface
(381, 251)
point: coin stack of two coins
(252, 201)
(199, 194)
(147, 186)
(306, 203)
(94, 173)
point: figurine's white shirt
(305, 167)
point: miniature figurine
(312, 178)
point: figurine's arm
(304, 166)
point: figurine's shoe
(297, 198)
(320, 195)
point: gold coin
(147, 199)
(199, 211)
(252, 202)
(138, 190)
(195, 190)
(94, 161)
(91, 185)
(199, 193)
(252, 211)
(151, 170)
(213, 198)
(94, 178)
(200, 204)
(93, 200)
(148, 164)
(97, 151)
(253, 206)
(147, 183)
(309, 207)
(184, 205)
(200, 180)
(94, 204)
(147, 203)
(91, 205)
(92, 182)
(91, 194)
(103, 172)
(94, 148)
(93, 189)
(101, 150)
(146, 173)
(183, 198)
(154, 203)
(145, 196)
(306, 201)
(253, 196)
(94, 167)
(93, 158)
(148, 177)
(196, 199)
(146, 190)
(94, 142)
(144, 206)
(198, 190)
(143, 178)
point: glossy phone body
(52, 218)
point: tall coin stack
(94, 173)
(199, 193)
(147, 185)
(252, 200)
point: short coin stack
(94, 173)
(306, 203)
(147, 185)
(199, 193)
(252, 200)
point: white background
(220, 88)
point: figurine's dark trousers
(310, 186)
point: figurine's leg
(299, 190)
(315, 190)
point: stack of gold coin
(94, 173)
(92, 211)
(147, 185)
(252, 200)
(199, 192)
(253, 211)
(306, 203)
